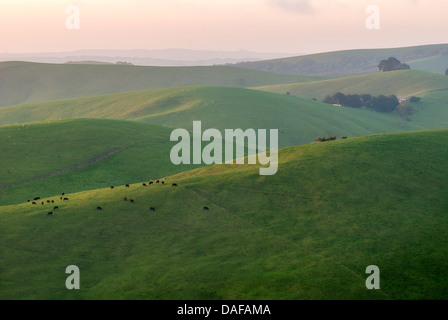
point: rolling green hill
(401, 83)
(430, 113)
(350, 62)
(298, 120)
(26, 82)
(308, 232)
(437, 64)
(46, 159)
(56, 145)
(432, 110)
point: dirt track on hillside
(96, 159)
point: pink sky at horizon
(290, 26)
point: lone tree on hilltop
(392, 64)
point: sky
(290, 26)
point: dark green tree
(392, 64)
(339, 98)
(353, 100)
(385, 103)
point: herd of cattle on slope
(100, 208)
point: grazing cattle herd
(98, 207)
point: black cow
(43, 202)
(37, 198)
(34, 202)
(174, 184)
(127, 186)
(99, 208)
(152, 209)
(163, 182)
(56, 208)
(125, 199)
(144, 184)
(48, 201)
(63, 194)
(157, 181)
(151, 182)
(52, 201)
(28, 200)
(132, 200)
(49, 213)
(65, 199)
(205, 208)
(111, 187)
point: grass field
(432, 110)
(299, 120)
(430, 113)
(26, 82)
(437, 64)
(308, 232)
(401, 83)
(38, 149)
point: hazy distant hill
(26, 82)
(352, 62)
(165, 57)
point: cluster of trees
(392, 64)
(329, 138)
(380, 103)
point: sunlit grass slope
(298, 120)
(112, 151)
(308, 232)
(401, 83)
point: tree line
(379, 103)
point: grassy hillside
(348, 62)
(437, 64)
(308, 232)
(432, 110)
(401, 83)
(298, 120)
(430, 113)
(26, 82)
(114, 152)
